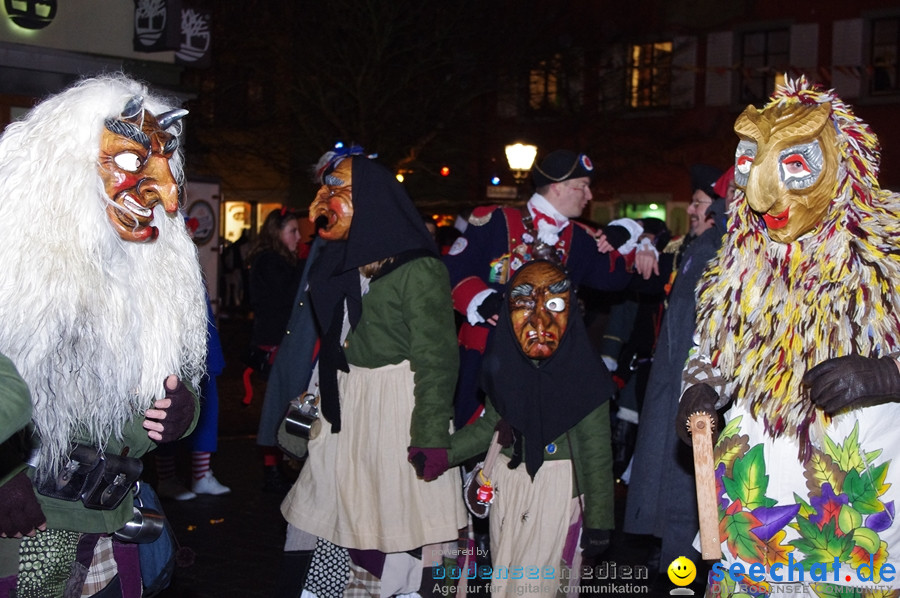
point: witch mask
(539, 299)
(334, 202)
(135, 150)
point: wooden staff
(701, 425)
(491, 457)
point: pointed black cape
(543, 399)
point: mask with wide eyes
(800, 166)
(539, 299)
(787, 164)
(134, 165)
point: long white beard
(95, 324)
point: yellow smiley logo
(682, 571)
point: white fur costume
(93, 323)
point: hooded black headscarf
(542, 399)
(385, 224)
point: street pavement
(235, 539)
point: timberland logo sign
(157, 25)
(30, 14)
(195, 38)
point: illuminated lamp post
(520, 157)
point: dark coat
(662, 498)
(273, 286)
(293, 364)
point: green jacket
(592, 461)
(15, 414)
(407, 315)
(63, 514)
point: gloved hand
(699, 397)
(616, 235)
(490, 306)
(429, 463)
(594, 542)
(506, 435)
(20, 511)
(853, 381)
(170, 417)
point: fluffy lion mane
(94, 324)
(769, 311)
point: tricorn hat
(561, 165)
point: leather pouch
(114, 483)
(80, 474)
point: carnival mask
(539, 298)
(334, 202)
(787, 165)
(135, 150)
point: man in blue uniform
(500, 239)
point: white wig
(93, 323)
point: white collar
(548, 221)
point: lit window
(543, 85)
(650, 75)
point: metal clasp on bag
(65, 476)
(300, 417)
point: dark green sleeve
(433, 351)
(15, 400)
(474, 439)
(592, 458)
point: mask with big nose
(539, 299)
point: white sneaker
(170, 488)
(208, 484)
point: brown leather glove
(20, 511)
(702, 398)
(853, 381)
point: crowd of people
(458, 379)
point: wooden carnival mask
(787, 165)
(334, 202)
(539, 299)
(135, 150)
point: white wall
(103, 27)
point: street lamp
(520, 157)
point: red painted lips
(778, 221)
